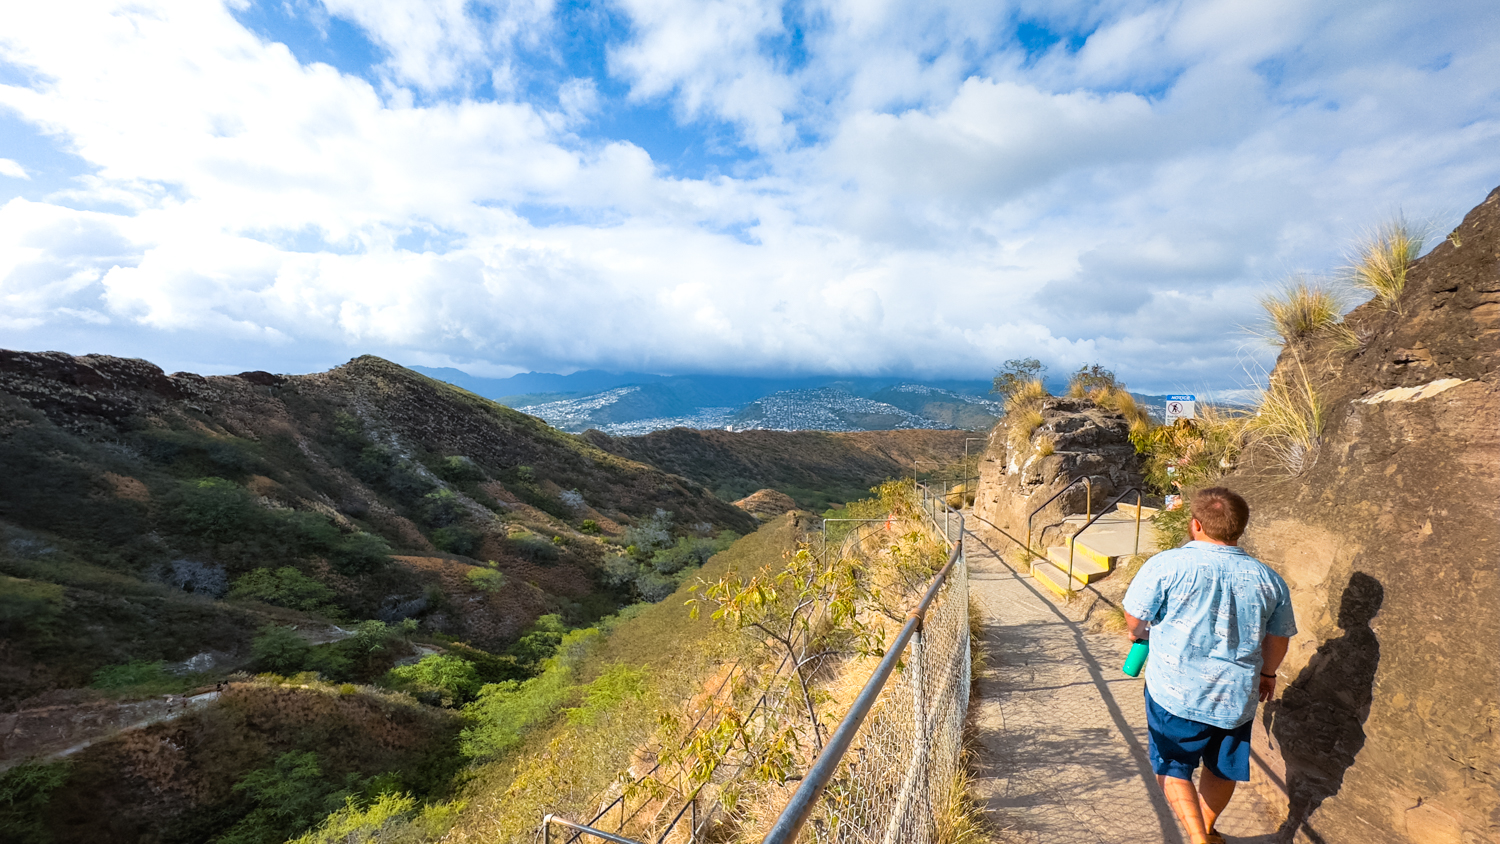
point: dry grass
(1289, 420)
(1026, 397)
(1379, 267)
(1299, 310)
(1023, 423)
(1122, 402)
(1046, 446)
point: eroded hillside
(134, 503)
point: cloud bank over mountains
(737, 186)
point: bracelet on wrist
(1271, 676)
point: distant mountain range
(635, 403)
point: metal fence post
(919, 751)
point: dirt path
(1060, 732)
(54, 732)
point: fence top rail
(801, 804)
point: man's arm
(1137, 628)
(1272, 652)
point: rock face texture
(1017, 474)
(766, 504)
(1386, 729)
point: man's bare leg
(1215, 793)
(1183, 799)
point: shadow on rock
(1319, 720)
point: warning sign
(1181, 407)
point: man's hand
(1267, 688)
(1137, 628)
(1272, 651)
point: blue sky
(745, 187)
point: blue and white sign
(1181, 407)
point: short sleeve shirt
(1209, 607)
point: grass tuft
(1026, 397)
(1289, 420)
(1122, 402)
(1298, 311)
(1379, 267)
(1023, 423)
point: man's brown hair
(1222, 513)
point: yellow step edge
(1077, 582)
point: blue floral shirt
(1210, 606)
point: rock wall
(1086, 441)
(1390, 537)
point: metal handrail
(1088, 485)
(801, 804)
(1072, 540)
(1003, 532)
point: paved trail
(1060, 731)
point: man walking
(1219, 622)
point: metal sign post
(1181, 407)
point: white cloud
(929, 197)
(13, 170)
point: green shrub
(459, 470)
(192, 454)
(29, 608)
(588, 526)
(25, 792)
(653, 586)
(439, 679)
(288, 797)
(142, 678)
(214, 509)
(505, 712)
(616, 685)
(457, 539)
(541, 640)
(388, 819)
(279, 649)
(441, 508)
(284, 587)
(485, 580)
(650, 534)
(359, 553)
(691, 552)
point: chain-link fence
(890, 771)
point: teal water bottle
(1137, 657)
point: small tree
(781, 610)
(1089, 378)
(1015, 373)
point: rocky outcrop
(1076, 439)
(1389, 536)
(766, 504)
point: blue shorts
(1177, 746)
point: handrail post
(1138, 502)
(547, 829)
(1088, 504)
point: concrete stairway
(1096, 550)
